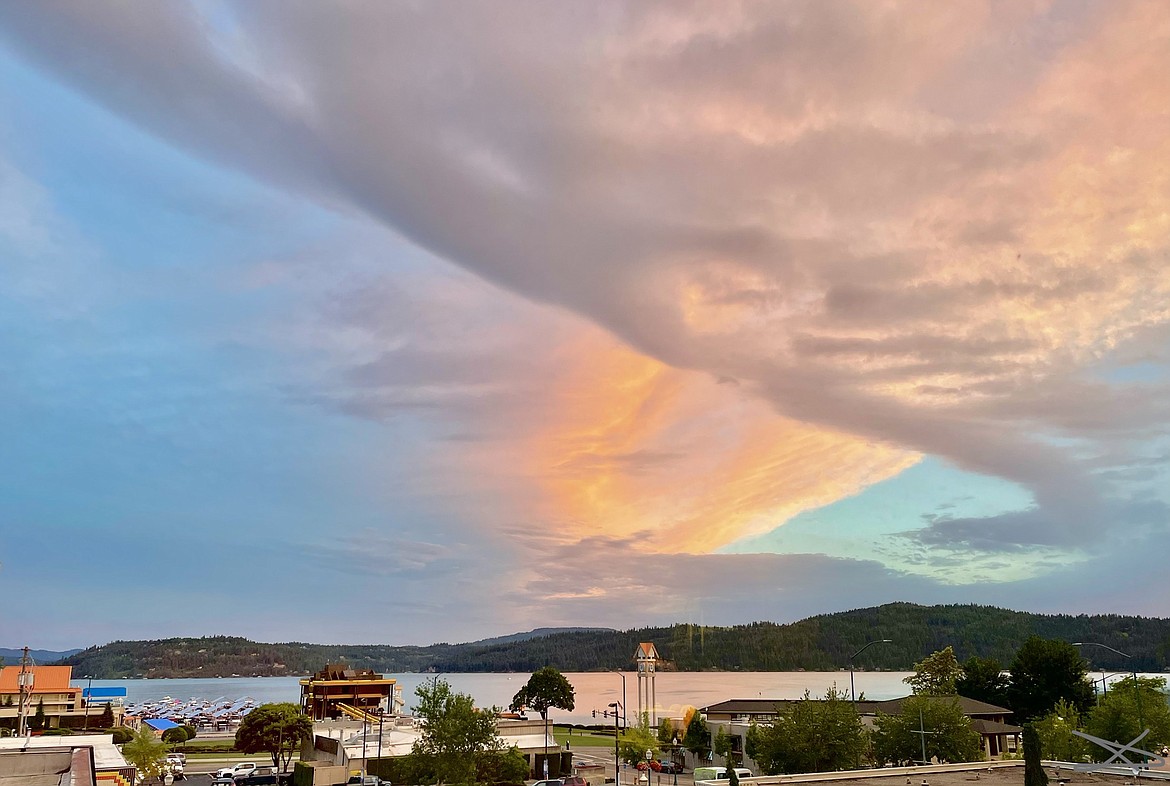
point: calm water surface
(594, 690)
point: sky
(404, 323)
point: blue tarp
(103, 694)
(160, 724)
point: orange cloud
(686, 464)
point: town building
(50, 690)
(64, 705)
(340, 690)
(80, 760)
(359, 746)
(736, 715)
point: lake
(594, 690)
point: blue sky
(411, 325)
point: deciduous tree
(934, 722)
(1054, 733)
(1129, 708)
(275, 729)
(637, 740)
(810, 735)
(146, 752)
(455, 735)
(936, 674)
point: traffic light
(595, 713)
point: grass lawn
(581, 737)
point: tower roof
(646, 651)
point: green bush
(122, 735)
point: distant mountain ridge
(824, 642)
(536, 633)
(13, 656)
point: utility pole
(25, 683)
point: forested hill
(824, 642)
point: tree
(936, 674)
(637, 740)
(983, 680)
(1130, 707)
(665, 733)
(455, 735)
(1043, 672)
(721, 745)
(175, 736)
(948, 737)
(1034, 774)
(191, 732)
(501, 766)
(146, 752)
(697, 738)
(38, 719)
(810, 735)
(275, 729)
(1054, 734)
(546, 688)
(107, 719)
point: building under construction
(341, 690)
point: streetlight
(623, 676)
(649, 758)
(617, 767)
(1137, 688)
(674, 769)
(88, 699)
(852, 692)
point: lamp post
(623, 676)
(617, 767)
(1137, 688)
(852, 692)
(649, 758)
(88, 698)
(674, 769)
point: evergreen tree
(107, 719)
(1043, 672)
(38, 719)
(1034, 774)
(697, 739)
(983, 680)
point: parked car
(574, 780)
(243, 768)
(367, 780)
(671, 767)
(222, 780)
(258, 776)
(553, 782)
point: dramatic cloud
(745, 261)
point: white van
(720, 773)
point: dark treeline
(824, 643)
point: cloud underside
(752, 259)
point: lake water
(594, 690)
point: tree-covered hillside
(824, 642)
